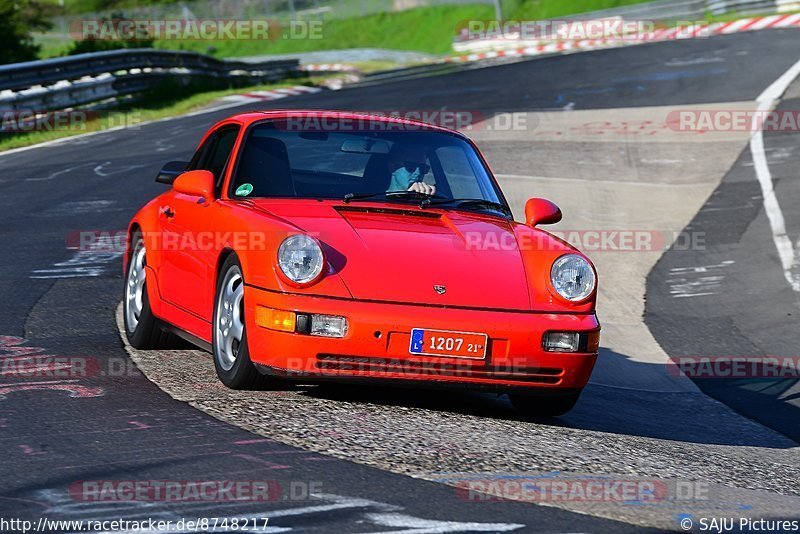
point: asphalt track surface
(117, 425)
(731, 297)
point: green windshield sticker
(244, 190)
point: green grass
(166, 101)
(549, 9)
(429, 30)
(92, 6)
(52, 45)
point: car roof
(250, 117)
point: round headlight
(572, 277)
(300, 259)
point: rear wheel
(544, 406)
(231, 353)
(142, 328)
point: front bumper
(377, 345)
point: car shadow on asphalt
(656, 401)
(688, 416)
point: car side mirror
(170, 171)
(541, 211)
(197, 183)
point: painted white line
(414, 525)
(766, 101)
(99, 169)
(53, 175)
(92, 261)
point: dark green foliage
(18, 18)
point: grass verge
(430, 30)
(550, 9)
(164, 101)
(425, 29)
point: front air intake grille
(417, 369)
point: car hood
(420, 256)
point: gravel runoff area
(467, 435)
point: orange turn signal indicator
(284, 321)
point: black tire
(240, 373)
(544, 405)
(146, 333)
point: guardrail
(659, 10)
(690, 10)
(720, 7)
(59, 83)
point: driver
(408, 168)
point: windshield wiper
(479, 202)
(360, 196)
(404, 195)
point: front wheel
(142, 328)
(229, 343)
(544, 406)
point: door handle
(168, 213)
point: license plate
(449, 344)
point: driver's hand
(422, 187)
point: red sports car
(317, 246)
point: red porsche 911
(316, 246)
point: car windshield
(380, 164)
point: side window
(216, 151)
(199, 155)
